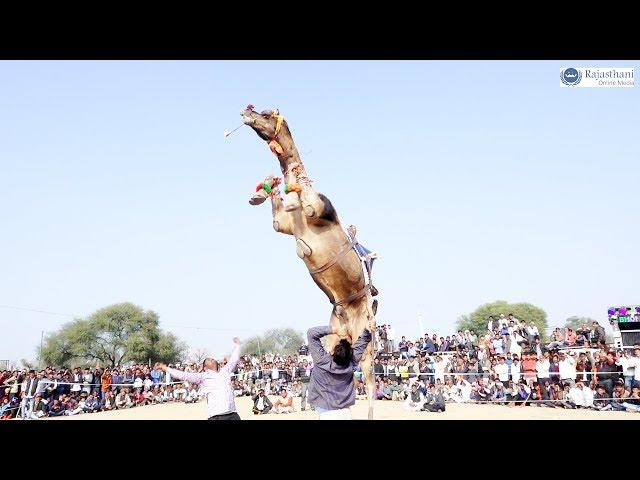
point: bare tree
(198, 355)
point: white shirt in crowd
(180, 393)
(542, 367)
(628, 366)
(275, 374)
(502, 370)
(515, 372)
(567, 368)
(582, 397)
(391, 335)
(533, 330)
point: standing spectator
(502, 370)
(607, 372)
(87, 380)
(116, 381)
(305, 378)
(567, 368)
(624, 360)
(403, 347)
(554, 369)
(156, 376)
(391, 338)
(598, 335)
(28, 394)
(105, 382)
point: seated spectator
(600, 399)
(40, 407)
(5, 409)
(138, 397)
(148, 396)
(415, 400)
(580, 396)
(261, 403)
(620, 395)
(167, 396)
(109, 401)
(157, 394)
(56, 409)
(92, 404)
(434, 401)
(73, 406)
(499, 394)
(123, 400)
(284, 402)
(179, 393)
(632, 402)
(192, 395)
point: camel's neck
(290, 154)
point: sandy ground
(383, 410)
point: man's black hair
(342, 354)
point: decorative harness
(346, 248)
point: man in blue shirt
(332, 388)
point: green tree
(284, 341)
(477, 320)
(576, 322)
(112, 335)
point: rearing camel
(327, 251)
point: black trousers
(226, 416)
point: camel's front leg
(282, 221)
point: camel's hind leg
(367, 375)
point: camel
(321, 242)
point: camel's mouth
(263, 123)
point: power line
(39, 311)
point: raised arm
(316, 349)
(191, 377)
(362, 342)
(234, 357)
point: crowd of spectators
(505, 364)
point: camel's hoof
(258, 198)
(374, 307)
(374, 291)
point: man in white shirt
(580, 396)
(391, 338)
(215, 382)
(567, 367)
(628, 368)
(502, 370)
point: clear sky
(475, 181)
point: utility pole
(40, 352)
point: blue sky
(475, 181)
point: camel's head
(267, 124)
